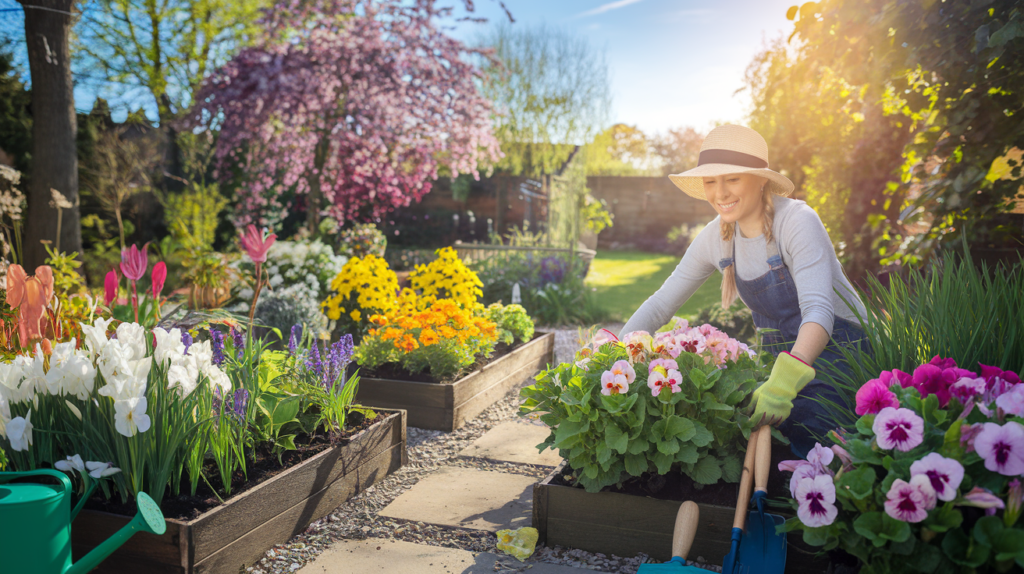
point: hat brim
(692, 181)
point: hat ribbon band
(731, 157)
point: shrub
(361, 240)
(649, 403)
(513, 322)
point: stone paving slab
(467, 498)
(514, 441)
(398, 557)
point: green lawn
(625, 279)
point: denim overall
(774, 304)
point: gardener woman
(775, 253)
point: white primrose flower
(96, 335)
(101, 469)
(130, 416)
(19, 432)
(132, 336)
(169, 348)
(71, 463)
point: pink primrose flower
(895, 428)
(980, 497)
(968, 433)
(967, 388)
(158, 276)
(659, 381)
(816, 501)
(874, 395)
(664, 364)
(638, 345)
(256, 243)
(110, 286)
(944, 473)
(908, 502)
(1002, 448)
(716, 347)
(680, 324)
(691, 341)
(1012, 401)
(601, 337)
(134, 262)
(931, 380)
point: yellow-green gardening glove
(774, 399)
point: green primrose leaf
(945, 518)
(858, 483)
(700, 380)
(687, 454)
(567, 434)
(679, 428)
(669, 446)
(816, 536)
(706, 471)
(604, 453)
(636, 464)
(615, 438)
(663, 462)
(732, 467)
(987, 530)
(868, 525)
(958, 548)
(638, 447)
(861, 451)
(864, 425)
(701, 436)
(895, 530)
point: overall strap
(774, 258)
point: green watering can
(35, 525)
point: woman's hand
(773, 400)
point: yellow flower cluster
(364, 286)
(447, 277)
(410, 325)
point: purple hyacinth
(293, 341)
(186, 340)
(338, 358)
(240, 402)
(314, 363)
(217, 341)
(552, 270)
(218, 399)
(239, 340)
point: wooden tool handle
(763, 460)
(746, 481)
(686, 529)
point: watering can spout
(149, 519)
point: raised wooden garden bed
(233, 536)
(624, 525)
(447, 407)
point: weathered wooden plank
(222, 525)
(246, 550)
(388, 393)
(143, 552)
(540, 348)
(473, 406)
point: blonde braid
(729, 292)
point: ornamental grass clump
(929, 477)
(663, 403)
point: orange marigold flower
(378, 320)
(447, 332)
(428, 337)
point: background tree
(54, 127)
(15, 117)
(678, 149)
(620, 150)
(356, 105)
(550, 90)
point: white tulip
(19, 432)
(5, 416)
(179, 377)
(218, 379)
(132, 337)
(35, 375)
(11, 375)
(101, 469)
(130, 416)
(72, 463)
(169, 348)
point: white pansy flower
(71, 463)
(130, 416)
(19, 432)
(169, 348)
(132, 336)
(101, 469)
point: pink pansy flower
(968, 433)
(716, 347)
(1012, 401)
(665, 365)
(947, 363)
(908, 502)
(601, 337)
(997, 381)
(707, 329)
(901, 429)
(1002, 448)
(967, 388)
(820, 457)
(816, 500)
(931, 380)
(873, 396)
(980, 497)
(906, 380)
(134, 262)
(617, 379)
(844, 456)
(658, 381)
(801, 469)
(638, 345)
(944, 473)
(256, 243)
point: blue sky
(672, 62)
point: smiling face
(737, 197)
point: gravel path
(428, 451)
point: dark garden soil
(261, 468)
(677, 486)
(396, 372)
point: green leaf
(945, 518)
(858, 483)
(868, 525)
(958, 548)
(816, 536)
(615, 438)
(951, 441)
(636, 464)
(702, 436)
(638, 447)
(895, 530)
(706, 471)
(567, 434)
(732, 468)
(700, 380)
(861, 451)
(663, 462)
(679, 428)
(926, 558)
(1009, 544)
(712, 404)
(670, 446)
(287, 442)
(864, 425)
(604, 453)
(687, 454)
(988, 529)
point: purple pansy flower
(1012, 401)
(1002, 448)
(968, 433)
(901, 429)
(909, 502)
(967, 388)
(931, 380)
(816, 501)
(944, 473)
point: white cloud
(606, 7)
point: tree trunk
(54, 128)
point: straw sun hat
(731, 149)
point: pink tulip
(256, 244)
(158, 277)
(30, 296)
(110, 285)
(134, 262)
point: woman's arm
(810, 342)
(693, 270)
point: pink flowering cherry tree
(355, 105)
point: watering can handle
(60, 476)
(746, 482)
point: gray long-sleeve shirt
(805, 248)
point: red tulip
(110, 284)
(158, 276)
(134, 262)
(256, 243)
